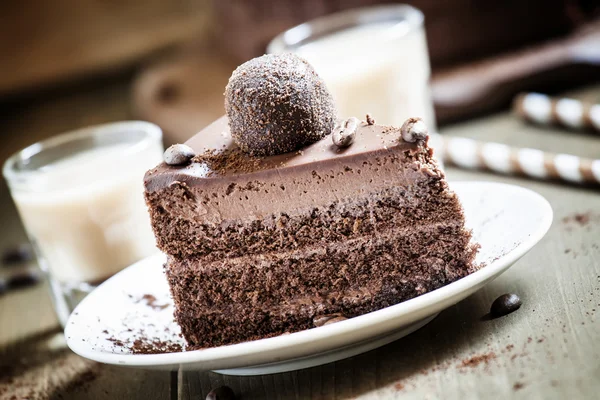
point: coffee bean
(413, 129)
(221, 393)
(344, 134)
(18, 254)
(178, 154)
(21, 279)
(505, 304)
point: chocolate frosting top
(219, 156)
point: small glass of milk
(373, 60)
(80, 197)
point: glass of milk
(373, 60)
(80, 197)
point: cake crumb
(145, 345)
(141, 346)
(150, 300)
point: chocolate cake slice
(262, 246)
(267, 232)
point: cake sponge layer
(256, 296)
(334, 213)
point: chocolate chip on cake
(413, 129)
(221, 393)
(505, 304)
(344, 134)
(178, 154)
(277, 104)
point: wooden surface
(549, 349)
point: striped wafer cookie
(501, 158)
(545, 110)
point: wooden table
(550, 348)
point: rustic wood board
(559, 281)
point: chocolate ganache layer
(263, 246)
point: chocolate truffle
(277, 104)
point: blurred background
(72, 63)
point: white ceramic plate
(506, 220)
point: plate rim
(251, 348)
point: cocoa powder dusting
(146, 345)
(116, 342)
(150, 301)
(582, 219)
(20, 376)
(141, 346)
(81, 380)
(234, 161)
(479, 359)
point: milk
(86, 213)
(380, 68)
